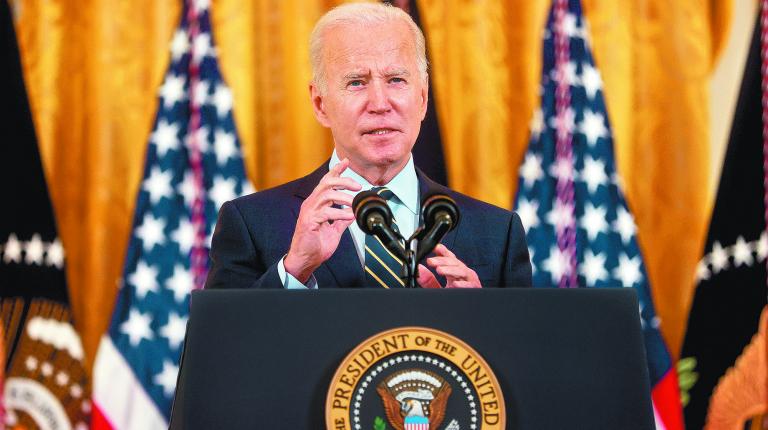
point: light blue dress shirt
(404, 205)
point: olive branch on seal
(379, 424)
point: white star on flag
(224, 145)
(593, 174)
(561, 169)
(628, 270)
(531, 170)
(590, 78)
(571, 26)
(223, 190)
(560, 216)
(556, 264)
(167, 378)
(625, 225)
(564, 123)
(12, 249)
(536, 125)
(180, 283)
(702, 271)
(184, 235)
(593, 268)
(34, 250)
(594, 221)
(144, 279)
(172, 90)
(202, 47)
(55, 254)
(593, 127)
(165, 137)
(137, 327)
(569, 74)
(151, 232)
(762, 247)
(179, 45)
(718, 257)
(174, 330)
(187, 188)
(222, 99)
(201, 139)
(201, 92)
(527, 211)
(742, 253)
(158, 185)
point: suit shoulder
(275, 197)
(478, 208)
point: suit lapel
(428, 187)
(343, 269)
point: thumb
(341, 224)
(426, 278)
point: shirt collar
(404, 185)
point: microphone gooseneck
(441, 215)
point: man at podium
(370, 87)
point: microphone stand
(410, 265)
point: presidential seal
(414, 378)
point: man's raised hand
(320, 224)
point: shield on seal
(416, 423)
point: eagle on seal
(414, 397)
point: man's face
(375, 99)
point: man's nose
(378, 99)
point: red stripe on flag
(98, 420)
(666, 399)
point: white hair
(361, 13)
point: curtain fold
(93, 69)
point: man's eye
(397, 80)
(355, 83)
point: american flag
(193, 165)
(579, 228)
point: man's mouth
(380, 131)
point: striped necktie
(382, 268)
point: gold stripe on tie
(388, 251)
(385, 265)
(376, 254)
(383, 284)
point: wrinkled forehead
(382, 48)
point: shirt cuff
(290, 282)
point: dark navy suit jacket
(254, 232)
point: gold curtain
(93, 69)
(656, 58)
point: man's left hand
(456, 273)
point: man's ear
(424, 99)
(317, 105)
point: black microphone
(441, 215)
(374, 217)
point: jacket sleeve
(236, 262)
(517, 267)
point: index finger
(443, 251)
(340, 167)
